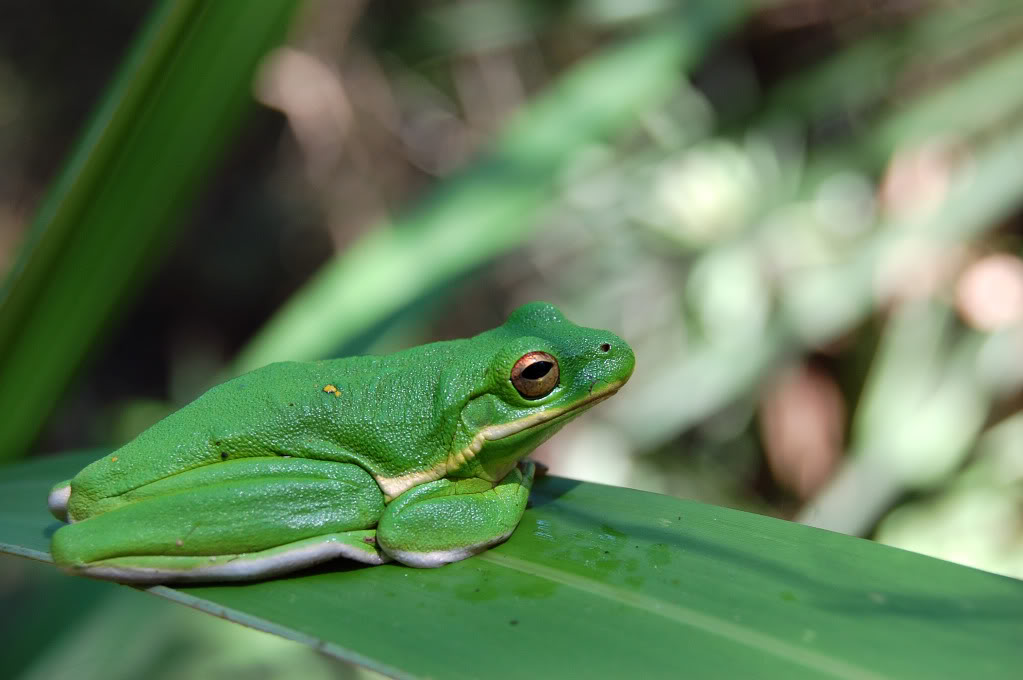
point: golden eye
(535, 375)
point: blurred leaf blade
(167, 117)
(739, 593)
(488, 209)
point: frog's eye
(535, 375)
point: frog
(417, 457)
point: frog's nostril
(606, 347)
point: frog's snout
(58, 499)
(617, 357)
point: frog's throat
(395, 486)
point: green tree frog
(416, 456)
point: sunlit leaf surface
(609, 582)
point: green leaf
(177, 101)
(609, 582)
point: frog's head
(543, 371)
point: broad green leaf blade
(173, 108)
(609, 582)
(490, 208)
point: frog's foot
(354, 545)
(448, 520)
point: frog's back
(262, 413)
(341, 409)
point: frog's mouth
(494, 432)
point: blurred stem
(856, 498)
(922, 407)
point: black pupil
(605, 347)
(537, 370)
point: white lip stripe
(495, 432)
(395, 486)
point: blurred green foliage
(804, 215)
(171, 109)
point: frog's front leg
(238, 520)
(448, 520)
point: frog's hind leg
(354, 545)
(243, 519)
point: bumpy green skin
(413, 456)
